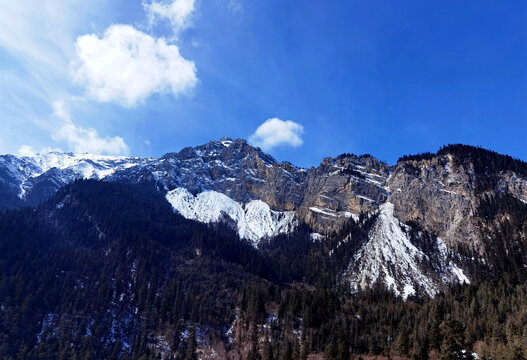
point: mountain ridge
(440, 193)
(221, 251)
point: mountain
(343, 186)
(29, 180)
(443, 195)
(220, 250)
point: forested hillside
(109, 271)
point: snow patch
(459, 274)
(390, 257)
(348, 214)
(408, 291)
(452, 268)
(254, 220)
(364, 198)
(333, 213)
(327, 212)
(316, 237)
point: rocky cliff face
(445, 192)
(323, 197)
(439, 195)
(341, 188)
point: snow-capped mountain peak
(34, 177)
(88, 165)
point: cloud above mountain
(126, 66)
(275, 132)
(83, 140)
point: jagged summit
(226, 149)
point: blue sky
(302, 79)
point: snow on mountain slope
(26, 171)
(391, 258)
(88, 164)
(254, 220)
(262, 222)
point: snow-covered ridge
(254, 220)
(391, 258)
(86, 166)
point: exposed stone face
(341, 186)
(442, 196)
(242, 172)
(513, 184)
(439, 195)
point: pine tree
(191, 346)
(330, 353)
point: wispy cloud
(40, 35)
(37, 42)
(82, 140)
(176, 12)
(276, 132)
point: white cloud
(126, 65)
(26, 150)
(176, 12)
(39, 58)
(275, 132)
(83, 140)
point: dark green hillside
(108, 271)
